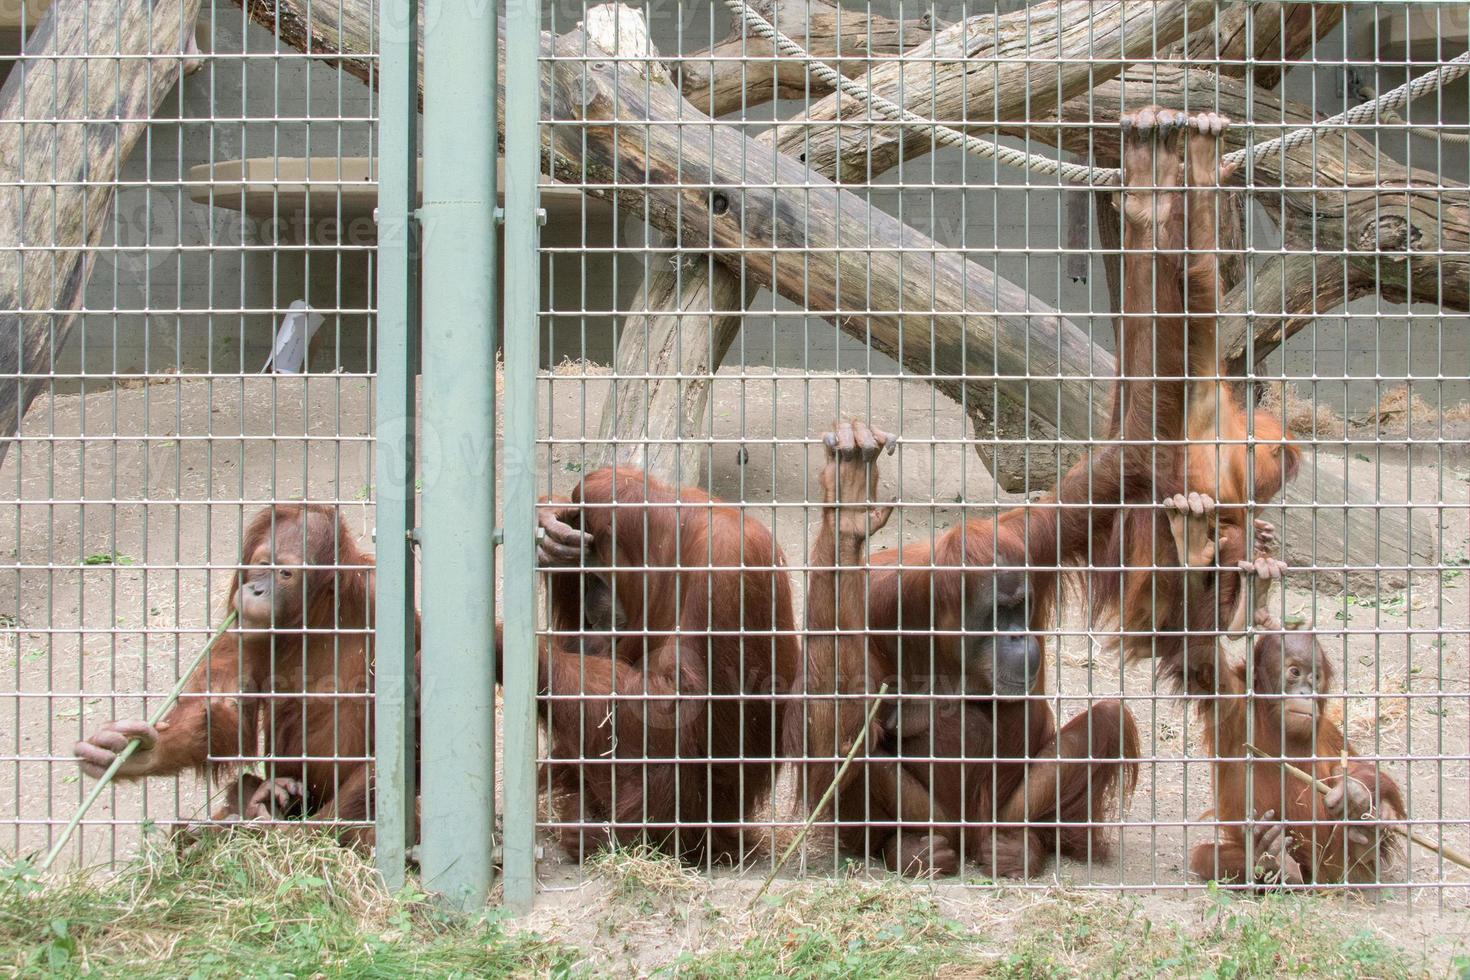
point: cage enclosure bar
(397, 682)
(458, 452)
(523, 219)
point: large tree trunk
(69, 116)
(985, 70)
(686, 315)
(745, 70)
(1271, 35)
(1402, 233)
(1285, 293)
(673, 340)
(680, 329)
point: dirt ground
(122, 517)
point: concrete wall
(210, 277)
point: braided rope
(1427, 132)
(1379, 108)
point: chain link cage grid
(755, 258)
(964, 306)
(189, 338)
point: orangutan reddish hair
(289, 685)
(1301, 835)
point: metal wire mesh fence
(757, 255)
(188, 343)
(971, 446)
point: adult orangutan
(289, 685)
(1106, 512)
(965, 762)
(1189, 437)
(672, 638)
(1301, 835)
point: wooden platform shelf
(12, 18)
(331, 188)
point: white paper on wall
(292, 339)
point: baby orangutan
(1302, 835)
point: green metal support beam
(459, 329)
(398, 325)
(522, 349)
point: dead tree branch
(1399, 232)
(1270, 35)
(983, 70)
(65, 130)
(744, 70)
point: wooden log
(678, 331)
(692, 294)
(1286, 293)
(826, 249)
(983, 70)
(1403, 232)
(66, 126)
(347, 32)
(1383, 207)
(1337, 196)
(1271, 35)
(688, 313)
(744, 70)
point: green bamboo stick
(822, 803)
(132, 746)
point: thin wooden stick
(822, 803)
(133, 744)
(1301, 776)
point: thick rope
(1379, 108)
(1427, 132)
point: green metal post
(398, 325)
(522, 346)
(459, 328)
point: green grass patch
(1235, 938)
(842, 929)
(286, 904)
(278, 905)
(107, 558)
